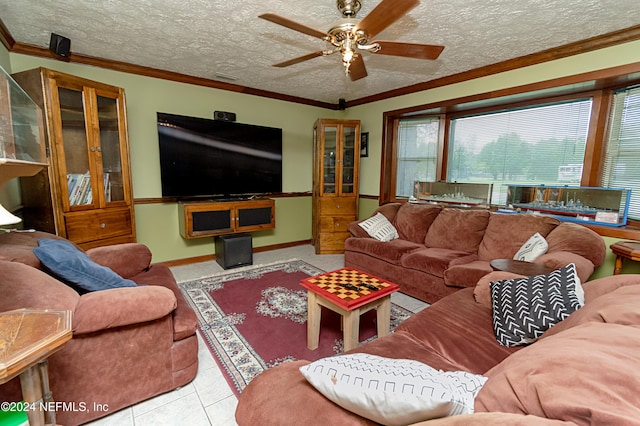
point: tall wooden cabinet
(85, 195)
(335, 182)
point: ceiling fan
(349, 35)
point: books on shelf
(107, 188)
(79, 186)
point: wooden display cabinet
(336, 162)
(22, 150)
(200, 219)
(86, 194)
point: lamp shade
(7, 218)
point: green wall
(157, 224)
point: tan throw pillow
(393, 391)
(379, 227)
(532, 249)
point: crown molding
(582, 46)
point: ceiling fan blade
(357, 70)
(385, 14)
(296, 26)
(300, 59)
(408, 50)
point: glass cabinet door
(110, 149)
(348, 160)
(330, 160)
(74, 141)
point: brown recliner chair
(128, 344)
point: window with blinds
(622, 159)
(417, 153)
(535, 145)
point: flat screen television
(202, 157)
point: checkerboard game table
(350, 293)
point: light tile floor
(208, 399)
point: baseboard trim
(208, 257)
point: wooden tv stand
(200, 219)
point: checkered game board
(347, 287)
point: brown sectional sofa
(128, 344)
(441, 250)
(584, 370)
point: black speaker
(60, 45)
(224, 116)
(342, 104)
(256, 216)
(211, 220)
(234, 250)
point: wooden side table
(355, 299)
(520, 267)
(27, 338)
(625, 250)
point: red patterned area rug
(255, 318)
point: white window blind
(535, 145)
(622, 159)
(417, 153)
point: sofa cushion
(126, 259)
(577, 239)
(581, 375)
(64, 260)
(379, 227)
(605, 285)
(23, 286)
(413, 220)
(482, 289)
(455, 329)
(17, 246)
(432, 260)
(506, 233)
(618, 307)
(467, 274)
(458, 229)
(532, 249)
(391, 251)
(393, 391)
(558, 259)
(524, 308)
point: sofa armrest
(126, 260)
(356, 230)
(493, 419)
(558, 259)
(482, 290)
(388, 210)
(118, 307)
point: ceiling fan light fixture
(346, 50)
(349, 35)
(347, 57)
(348, 8)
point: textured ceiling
(216, 39)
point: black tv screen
(202, 157)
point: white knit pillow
(533, 248)
(379, 227)
(393, 391)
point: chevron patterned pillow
(524, 308)
(393, 391)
